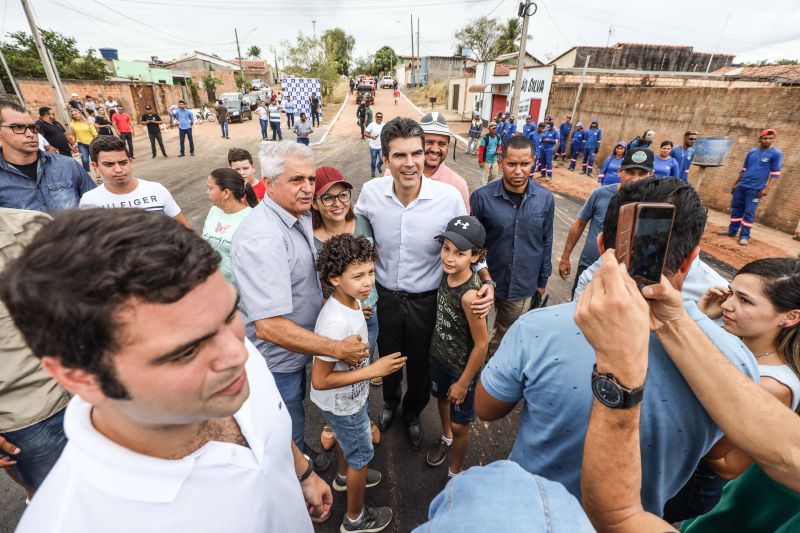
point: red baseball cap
(768, 131)
(327, 177)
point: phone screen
(650, 240)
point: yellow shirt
(84, 132)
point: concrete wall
(465, 99)
(440, 68)
(628, 105)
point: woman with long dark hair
(232, 198)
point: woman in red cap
(332, 214)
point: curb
(335, 118)
(418, 110)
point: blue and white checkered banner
(301, 90)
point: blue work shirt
(509, 131)
(273, 261)
(185, 118)
(609, 174)
(564, 130)
(545, 359)
(638, 143)
(760, 166)
(501, 127)
(578, 138)
(663, 168)
(60, 183)
(536, 138)
(519, 242)
(528, 130)
(594, 212)
(549, 138)
(593, 138)
(684, 158)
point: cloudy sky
(171, 28)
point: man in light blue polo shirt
(273, 262)
(545, 359)
(185, 122)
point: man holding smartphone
(636, 164)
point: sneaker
(376, 381)
(438, 453)
(340, 482)
(744, 242)
(372, 519)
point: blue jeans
(441, 380)
(375, 160)
(182, 134)
(292, 386)
(40, 447)
(303, 140)
(276, 130)
(263, 129)
(289, 120)
(84, 150)
(224, 127)
(354, 435)
(372, 332)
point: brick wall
(671, 106)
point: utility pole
(610, 31)
(524, 8)
(277, 70)
(239, 53)
(580, 87)
(412, 50)
(58, 93)
(419, 56)
(11, 78)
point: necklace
(759, 356)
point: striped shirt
(274, 113)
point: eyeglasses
(19, 129)
(329, 199)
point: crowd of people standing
(187, 354)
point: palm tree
(508, 41)
(254, 52)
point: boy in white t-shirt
(347, 263)
(120, 188)
(373, 131)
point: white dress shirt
(405, 236)
(100, 486)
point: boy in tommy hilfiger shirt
(760, 171)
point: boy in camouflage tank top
(460, 340)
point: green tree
(211, 83)
(23, 58)
(480, 35)
(306, 57)
(364, 65)
(509, 37)
(385, 60)
(254, 52)
(339, 47)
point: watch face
(607, 391)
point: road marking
(330, 127)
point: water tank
(109, 53)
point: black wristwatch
(489, 282)
(308, 471)
(612, 394)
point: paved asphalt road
(409, 483)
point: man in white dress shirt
(176, 423)
(407, 211)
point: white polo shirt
(408, 254)
(98, 485)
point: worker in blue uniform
(509, 131)
(563, 131)
(761, 169)
(609, 172)
(550, 139)
(501, 124)
(528, 128)
(576, 145)
(685, 153)
(643, 141)
(594, 136)
(664, 165)
(535, 137)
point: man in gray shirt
(302, 128)
(273, 261)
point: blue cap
(504, 494)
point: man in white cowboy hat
(437, 146)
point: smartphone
(643, 233)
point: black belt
(403, 295)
